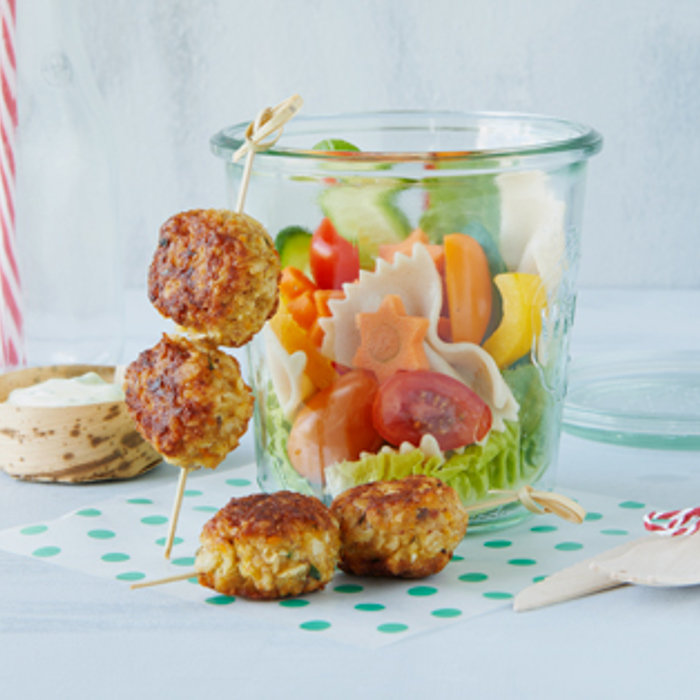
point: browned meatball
(215, 273)
(188, 400)
(269, 546)
(406, 528)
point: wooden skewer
(184, 471)
(268, 121)
(169, 579)
(538, 502)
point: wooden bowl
(71, 444)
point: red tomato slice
(335, 424)
(333, 259)
(411, 404)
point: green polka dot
(544, 528)
(349, 588)
(101, 534)
(239, 482)
(33, 529)
(446, 612)
(162, 540)
(422, 591)
(183, 561)
(498, 595)
(220, 600)
(632, 505)
(194, 579)
(473, 577)
(294, 603)
(205, 509)
(315, 625)
(191, 493)
(113, 557)
(392, 627)
(497, 544)
(89, 512)
(154, 520)
(457, 557)
(522, 562)
(140, 501)
(593, 516)
(537, 579)
(46, 552)
(131, 576)
(615, 533)
(568, 546)
(370, 607)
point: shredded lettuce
(457, 201)
(495, 465)
(538, 424)
(383, 466)
(276, 430)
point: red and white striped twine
(11, 335)
(673, 523)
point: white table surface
(64, 634)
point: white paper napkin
(123, 539)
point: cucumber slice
(335, 145)
(293, 244)
(366, 215)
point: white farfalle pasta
(532, 235)
(416, 280)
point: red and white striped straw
(673, 523)
(12, 351)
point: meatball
(269, 546)
(187, 398)
(215, 273)
(406, 528)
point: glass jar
(426, 301)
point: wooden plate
(71, 444)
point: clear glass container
(448, 354)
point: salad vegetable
(293, 245)
(523, 299)
(413, 404)
(404, 349)
(333, 259)
(366, 215)
(391, 340)
(335, 424)
(468, 288)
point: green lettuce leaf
(274, 438)
(495, 465)
(538, 423)
(456, 202)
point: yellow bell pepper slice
(524, 298)
(294, 338)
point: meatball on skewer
(266, 547)
(215, 273)
(187, 398)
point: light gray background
(173, 72)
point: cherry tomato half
(334, 425)
(411, 404)
(333, 259)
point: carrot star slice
(391, 340)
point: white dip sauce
(78, 391)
